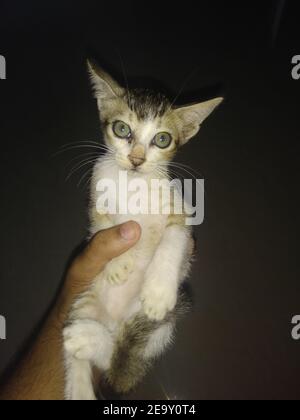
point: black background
(237, 342)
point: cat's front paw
(158, 300)
(118, 270)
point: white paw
(118, 270)
(158, 299)
(89, 340)
(102, 211)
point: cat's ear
(105, 87)
(191, 117)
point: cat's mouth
(137, 170)
(142, 169)
(132, 169)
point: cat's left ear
(191, 117)
(105, 87)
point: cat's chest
(126, 198)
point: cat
(127, 317)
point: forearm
(40, 375)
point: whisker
(83, 155)
(83, 142)
(188, 78)
(82, 145)
(124, 74)
(89, 156)
(107, 163)
(78, 147)
(96, 143)
(189, 173)
(84, 175)
(182, 166)
(177, 166)
(77, 167)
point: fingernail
(128, 231)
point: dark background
(237, 342)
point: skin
(40, 375)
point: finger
(105, 246)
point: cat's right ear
(105, 87)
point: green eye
(162, 140)
(121, 130)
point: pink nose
(137, 155)
(136, 161)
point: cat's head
(142, 128)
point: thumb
(103, 247)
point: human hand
(102, 248)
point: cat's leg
(86, 339)
(139, 343)
(87, 343)
(162, 334)
(78, 380)
(163, 276)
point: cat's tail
(139, 343)
(128, 366)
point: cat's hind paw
(88, 340)
(158, 300)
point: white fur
(79, 386)
(159, 294)
(88, 340)
(147, 277)
(87, 343)
(159, 341)
(144, 278)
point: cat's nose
(137, 155)
(136, 161)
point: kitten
(127, 317)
